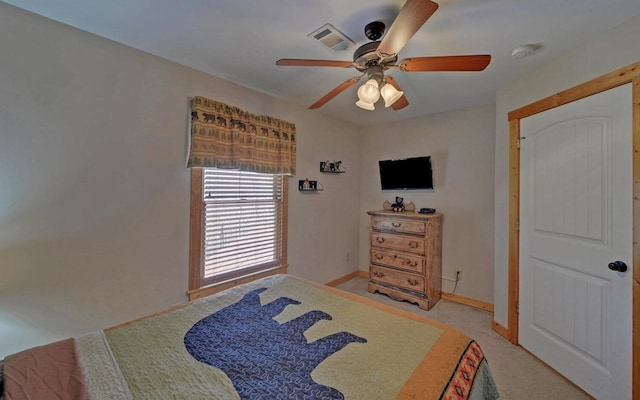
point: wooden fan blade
(402, 102)
(446, 63)
(411, 17)
(296, 62)
(342, 87)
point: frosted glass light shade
(390, 94)
(369, 92)
(365, 105)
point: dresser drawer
(397, 242)
(397, 278)
(407, 262)
(398, 225)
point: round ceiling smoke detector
(524, 51)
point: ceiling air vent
(329, 36)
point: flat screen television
(406, 173)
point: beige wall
(611, 50)
(94, 202)
(461, 144)
(94, 195)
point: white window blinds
(243, 223)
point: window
(238, 228)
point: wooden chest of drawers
(405, 256)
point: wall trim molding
(348, 277)
(469, 302)
(499, 329)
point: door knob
(619, 266)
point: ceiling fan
(375, 57)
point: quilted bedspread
(281, 338)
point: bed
(279, 337)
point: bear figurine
(398, 206)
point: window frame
(197, 285)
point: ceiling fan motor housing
(365, 56)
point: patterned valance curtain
(223, 136)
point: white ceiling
(240, 41)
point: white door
(575, 219)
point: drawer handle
(378, 256)
(396, 224)
(410, 263)
(378, 274)
(413, 245)
(380, 239)
(412, 282)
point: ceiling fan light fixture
(366, 106)
(390, 94)
(369, 92)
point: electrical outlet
(458, 275)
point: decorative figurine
(398, 206)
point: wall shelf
(308, 185)
(332, 167)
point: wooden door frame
(622, 76)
